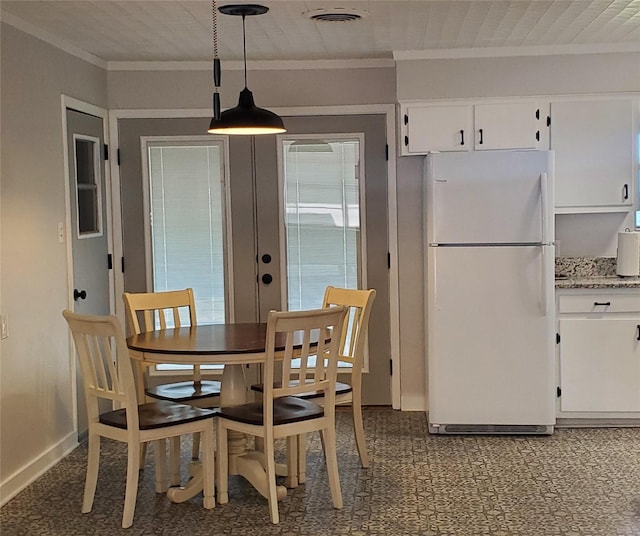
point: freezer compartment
(490, 338)
(493, 197)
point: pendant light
(246, 118)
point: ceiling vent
(337, 14)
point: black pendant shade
(246, 119)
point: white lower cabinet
(599, 354)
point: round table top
(205, 343)
(202, 339)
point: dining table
(231, 345)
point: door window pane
(322, 213)
(187, 205)
(87, 186)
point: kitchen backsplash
(585, 266)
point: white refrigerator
(489, 228)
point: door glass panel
(187, 210)
(87, 186)
(322, 217)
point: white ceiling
(181, 30)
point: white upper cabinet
(518, 125)
(594, 155)
(463, 127)
(437, 128)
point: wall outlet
(4, 326)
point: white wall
(36, 409)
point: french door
(300, 211)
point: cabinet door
(437, 128)
(509, 126)
(599, 364)
(593, 143)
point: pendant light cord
(214, 25)
(244, 50)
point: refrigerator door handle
(544, 287)
(544, 207)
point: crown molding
(61, 44)
(497, 52)
(279, 65)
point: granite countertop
(591, 272)
(607, 281)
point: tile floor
(576, 482)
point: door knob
(79, 294)
(267, 278)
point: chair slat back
(152, 306)
(104, 360)
(159, 306)
(356, 322)
(300, 329)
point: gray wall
(36, 407)
(518, 76)
(36, 415)
(193, 89)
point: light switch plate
(4, 327)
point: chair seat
(158, 415)
(286, 410)
(184, 391)
(341, 389)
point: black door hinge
(388, 260)
(106, 152)
(118, 156)
(122, 264)
(406, 119)
(390, 367)
(110, 261)
(558, 392)
(557, 338)
(386, 151)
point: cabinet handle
(481, 137)
(462, 137)
(538, 113)
(625, 192)
(537, 135)
(406, 141)
(638, 333)
(604, 304)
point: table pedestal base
(246, 463)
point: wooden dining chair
(352, 351)
(148, 311)
(107, 373)
(280, 413)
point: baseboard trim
(19, 480)
(413, 403)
